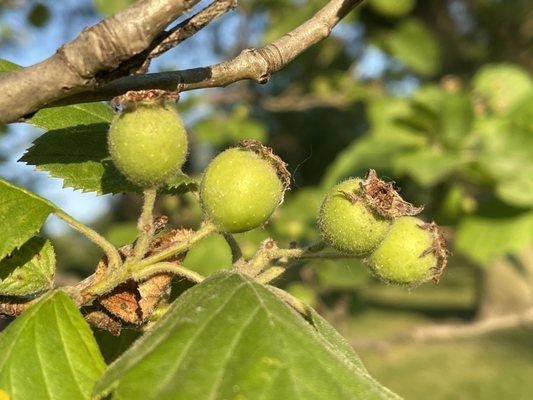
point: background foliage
(436, 95)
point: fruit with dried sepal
(148, 142)
(412, 253)
(242, 187)
(347, 223)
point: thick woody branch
(252, 64)
(77, 64)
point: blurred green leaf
(209, 255)
(229, 337)
(296, 219)
(507, 153)
(502, 85)
(376, 152)
(414, 44)
(108, 7)
(39, 15)
(7, 66)
(220, 130)
(22, 214)
(483, 238)
(392, 8)
(427, 166)
(122, 233)
(29, 269)
(49, 353)
(339, 274)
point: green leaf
(22, 214)
(30, 269)
(69, 116)
(79, 155)
(49, 353)
(7, 66)
(335, 340)
(229, 337)
(180, 184)
(502, 85)
(483, 238)
(414, 44)
(107, 7)
(39, 15)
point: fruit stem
(236, 252)
(179, 247)
(167, 267)
(270, 274)
(145, 224)
(113, 257)
(269, 251)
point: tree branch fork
(98, 64)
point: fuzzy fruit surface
(148, 143)
(397, 259)
(240, 190)
(350, 227)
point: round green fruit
(405, 256)
(240, 190)
(148, 143)
(347, 223)
(392, 8)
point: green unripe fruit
(347, 223)
(240, 190)
(148, 143)
(406, 255)
(392, 8)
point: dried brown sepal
(123, 302)
(268, 154)
(160, 223)
(385, 199)
(134, 302)
(439, 249)
(152, 291)
(351, 197)
(133, 97)
(168, 239)
(100, 320)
